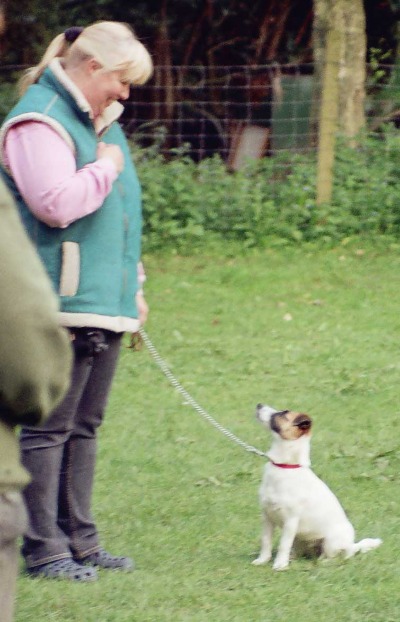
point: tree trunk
(328, 113)
(352, 68)
(348, 17)
(163, 74)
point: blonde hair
(112, 44)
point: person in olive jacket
(35, 367)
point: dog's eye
(305, 424)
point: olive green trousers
(13, 523)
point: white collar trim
(110, 114)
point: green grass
(315, 330)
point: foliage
(377, 61)
(30, 25)
(190, 31)
(203, 32)
(271, 200)
(383, 103)
(313, 330)
(8, 97)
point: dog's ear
(304, 422)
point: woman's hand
(143, 308)
(113, 152)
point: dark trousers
(60, 457)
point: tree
(347, 17)
(340, 46)
(329, 108)
(199, 32)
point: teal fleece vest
(93, 262)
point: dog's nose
(259, 406)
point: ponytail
(57, 47)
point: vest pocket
(70, 269)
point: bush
(8, 97)
(270, 201)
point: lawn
(313, 330)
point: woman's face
(104, 88)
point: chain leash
(189, 399)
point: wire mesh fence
(221, 117)
(240, 112)
(236, 112)
(232, 111)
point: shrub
(8, 97)
(270, 201)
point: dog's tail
(365, 545)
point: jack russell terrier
(294, 499)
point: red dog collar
(286, 466)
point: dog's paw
(262, 559)
(280, 564)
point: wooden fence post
(328, 117)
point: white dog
(294, 499)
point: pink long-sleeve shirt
(44, 169)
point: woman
(68, 165)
